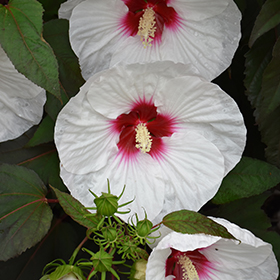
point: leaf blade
(76, 210)
(190, 222)
(25, 217)
(20, 29)
(267, 19)
(249, 177)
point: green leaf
(43, 134)
(270, 92)
(267, 19)
(21, 38)
(56, 34)
(25, 217)
(51, 8)
(191, 222)
(43, 159)
(249, 177)
(257, 59)
(268, 109)
(76, 210)
(46, 165)
(270, 131)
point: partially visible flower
(165, 133)
(202, 257)
(21, 101)
(106, 32)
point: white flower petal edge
(21, 101)
(229, 259)
(208, 36)
(66, 8)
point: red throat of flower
(190, 265)
(142, 129)
(148, 18)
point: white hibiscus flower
(21, 101)
(161, 130)
(203, 257)
(106, 32)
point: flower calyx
(107, 204)
(58, 269)
(142, 229)
(102, 262)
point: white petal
(66, 8)
(95, 34)
(82, 137)
(113, 91)
(199, 9)
(208, 44)
(21, 101)
(156, 264)
(193, 169)
(204, 108)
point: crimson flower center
(148, 19)
(143, 129)
(190, 265)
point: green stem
(71, 261)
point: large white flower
(166, 133)
(203, 257)
(105, 32)
(21, 101)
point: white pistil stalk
(143, 138)
(189, 271)
(146, 28)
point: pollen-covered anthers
(143, 138)
(189, 271)
(147, 28)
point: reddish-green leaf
(191, 222)
(249, 177)
(267, 19)
(21, 38)
(76, 210)
(25, 216)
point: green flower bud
(143, 228)
(109, 233)
(107, 204)
(138, 270)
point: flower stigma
(143, 138)
(147, 28)
(188, 269)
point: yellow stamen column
(189, 271)
(146, 28)
(143, 138)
